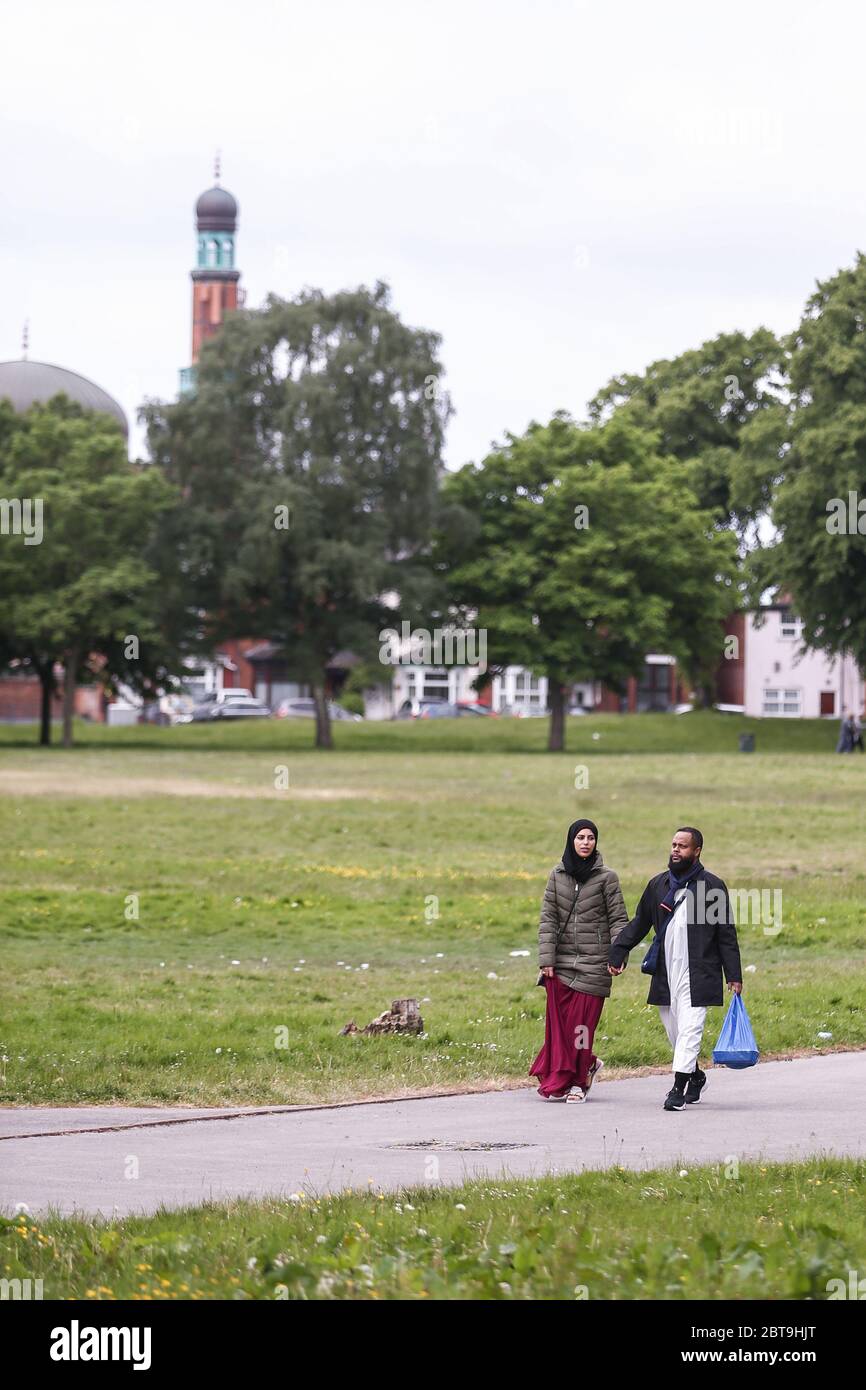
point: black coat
(712, 938)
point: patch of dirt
(24, 782)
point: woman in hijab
(582, 914)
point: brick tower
(214, 280)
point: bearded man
(695, 942)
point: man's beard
(681, 866)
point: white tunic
(683, 1024)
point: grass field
(775, 1231)
(701, 731)
(409, 861)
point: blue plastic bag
(736, 1046)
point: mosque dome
(216, 211)
(27, 383)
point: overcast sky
(562, 190)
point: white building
(515, 690)
(778, 678)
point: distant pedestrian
(856, 732)
(695, 941)
(846, 742)
(582, 913)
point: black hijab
(571, 861)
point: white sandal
(593, 1072)
(576, 1094)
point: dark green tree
(818, 554)
(704, 404)
(578, 550)
(308, 461)
(76, 594)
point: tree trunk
(46, 681)
(556, 693)
(70, 676)
(323, 718)
(707, 693)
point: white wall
(518, 687)
(453, 683)
(379, 703)
(777, 662)
(514, 688)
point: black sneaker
(697, 1082)
(675, 1100)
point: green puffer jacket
(579, 952)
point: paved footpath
(777, 1110)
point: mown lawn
(774, 1231)
(701, 731)
(410, 861)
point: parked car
(244, 707)
(445, 709)
(303, 707)
(440, 709)
(229, 704)
(437, 709)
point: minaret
(214, 279)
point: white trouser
(683, 1024)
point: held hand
(615, 969)
(547, 969)
(736, 986)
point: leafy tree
(705, 405)
(79, 591)
(579, 550)
(308, 459)
(818, 555)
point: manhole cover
(461, 1144)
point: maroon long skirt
(561, 1064)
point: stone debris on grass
(402, 1017)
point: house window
(782, 702)
(789, 624)
(527, 689)
(434, 683)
